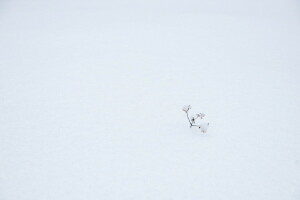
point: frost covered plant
(192, 120)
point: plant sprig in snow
(192, 120)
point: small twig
(192, 120)
(187, 115)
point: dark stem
(191, 125)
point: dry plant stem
(191, 125)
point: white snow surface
(91, 97)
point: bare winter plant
(192, 120)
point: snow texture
(203, 127)
(91, 94)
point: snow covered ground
(91, 95)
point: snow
(92, 95)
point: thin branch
(191, 124)
(194, 119)
(187, 115)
